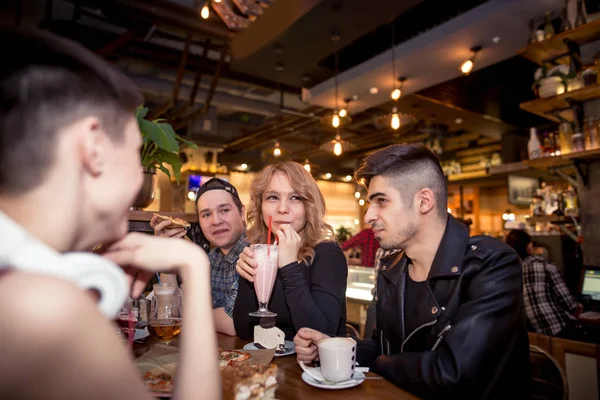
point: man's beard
(399, 241)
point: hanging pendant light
(205, 12)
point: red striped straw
(269, 239)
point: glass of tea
(164, 321)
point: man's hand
(306, 344)
(159, 228)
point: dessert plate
(290, 348)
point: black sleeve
(489, 320)
(245, 303)
(319, 304)
(366, 352)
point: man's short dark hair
(518, 239)
(46, 84)
(410, 167)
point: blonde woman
(310, 287)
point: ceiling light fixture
(277, 150)
(205, 12)
(328, 176)
(217, 1)
(244, 166)
(348, 177)
(395, 119)
(467, 66)
(374, 90)
(361, 202)
(337, 146)
(357, 194)
(307, 165)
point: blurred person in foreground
(221, 217)
(69, 170)
(450, 318)
(551, 309)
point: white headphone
(24, 252)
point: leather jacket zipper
(432, 322)
(440, 335)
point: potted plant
(552, 81)
(160, 146)
(343, 234)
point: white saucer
(356, 380)
(289, 345)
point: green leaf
(161, 134)
(166, 171)
(141, 113)
(188, 143)
(174, 161)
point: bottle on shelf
(548, 28)
(533, 146)
(565, 23)
(580, 18)
(565, 133)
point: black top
(304, 296)
(414, 295)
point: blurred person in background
(551, 309)
(221, 217)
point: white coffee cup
(337, 356)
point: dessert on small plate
(271, 338)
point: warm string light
(277, 150)
(205, 12)
(335, 120)
(467, 66)
(337, 147)
(307, 165)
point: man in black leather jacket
(450, 315)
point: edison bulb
(361, 202)
(244, 166)
(343, 112)
(396, 94)
(348, 177)
(337, 149)
(328, 176)
(307, 167)
(335, 121)
(395, 123)
(466, 67)
(205, 12)
(277, 152)
(357, 195)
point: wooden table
(292, 387)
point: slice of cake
(249, 382)
(269, 338)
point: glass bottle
(533, 146)
(590, 130)
(565, 133)
(580, 18)
(532, 33)
(565, 23)
(548, 28)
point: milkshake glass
(268, 263)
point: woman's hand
(288, 244)
(246, 265)
(159, 229)
(141, 256)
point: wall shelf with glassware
(554, 49)
(553, 219)
(561, 104)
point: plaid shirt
(548, 303)
(223, 276)
(366, 240)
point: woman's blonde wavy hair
(316, 229)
